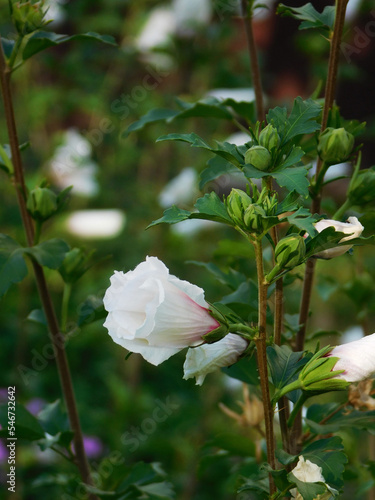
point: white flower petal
(307, 471)
(357, 358)
(209, 357)
(352, 227)
(154, 313)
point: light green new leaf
(12, 264)
(42, 40)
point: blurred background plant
(74, 103)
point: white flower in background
(181, 190)
(96, 224)
(308, 472)
(352, 227)
(337, 170)
(238, 95)
(189, 227)
(357, 358)
(189, 14)
(54, 12)
(158, 30)
(155, 314)
(71, 165)
(210, 357)
(239, 138)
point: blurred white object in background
(239, 138)
(158, 29)
(96, 224)
(238, 95)
(181, 190)
(71, 165)
(190, 14)
(54, 12)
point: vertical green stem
(262, 360)
(254, 64)
(310, 265)
(65, 306)
(53, 326)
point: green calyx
(42, 203)
(28, 16)
(269, 138)
(289, 253)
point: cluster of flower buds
(254, 215)
(289, 253)
(335, 145)
(28, 16)
(260, 156)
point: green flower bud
(41, 203)
(290, 251)
(237, 202)
(254, 218)
(335, 145)
(259, 157)
(269, 138)
(74, 265)
(362, 190)
(28, 16)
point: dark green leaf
(50, 253)
(163, 490)
(172, 216)
(8, 46)
(303, 220)
(232, 278)
(42, 40)
(155, 115)
(52, 419)
(242, 108)
(61, 439)
(245, 370)
(293, 179)
(301, 120)
(12, 264)
(309, 16)
(284, 364)
(27, 426)
(217, 167)
(211, 206)
(328, 238)
(227, 151)
(345, 418)
(38, 316)
(234, 443)
(309, 491)
(293, 157)
(328, 454)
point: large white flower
(357, 358)
(209, 357)
(352, 227)
(153, 313)
(307, 472)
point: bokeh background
(73, 104)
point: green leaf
(309, 16)
(155, 115)
(303, 220)
(233, 279)
(242, 108)
(284, 364)
(293, 179)
(27, 426)
(234, 443)
(300, 120)
(309, 491)
(245, 370)
(6, 159)
(328, 454)
(293, 157)
(8, 46)
(217, 167)
(344, 418)
(212, 208)
(162, 490)
(52, 419)
(328, 238)
(227, 151)
(50, 253)
(172, 216)
(12, 264)
(37, 316)
(42, 40)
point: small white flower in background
(181, 190)
(308, 472)
(155, 314)
(187, 228)
(239, 138)
(210, 357)
(158, 30)
(238, 95)
(96, 224)
(71, 165)
(190, 14)
(54, 12)
(357, 358)
(352, 227)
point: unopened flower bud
(253, 218)
(335, 145)
(41, 203)
(269, 138)
(237, 202)
(28, 16)
(74, 265)
(290, 251)
(362, 190)
(259, 157)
